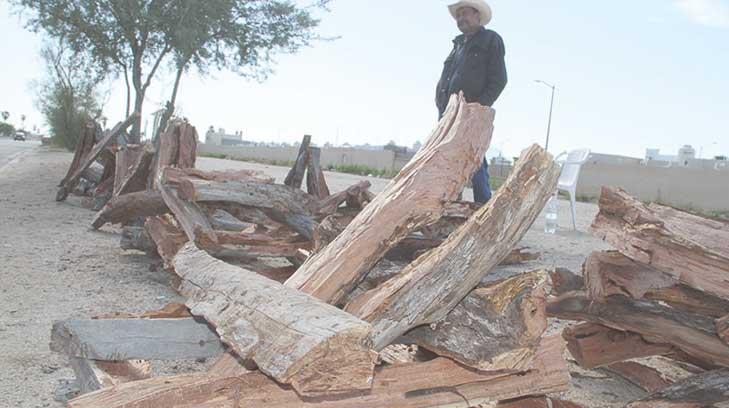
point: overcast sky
(630, 75)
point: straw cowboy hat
(480, 5)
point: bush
(6, 129)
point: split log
(722, 328)
(168, 238)
(223, 220)
(128, 339)
(125, 158)
(537, 402)
(646, 378)
(177, 147)
(188, 214)
(136, 175)
(296, 175)
(137, 238)
(694, 334)
(294, 338)
(414, 198)
(593, 345)
(127, 207)
(330, 204)
(316, 184)
(94, 375)
(437, 383)
(690, 248)
(563, 281)
(84, 145)
(699, 391)
(71, 180)
(497, 327)
(612, 273)
(433, 285)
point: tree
(6, 129)
(5, 115)
(136, 36)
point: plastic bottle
(550, 217)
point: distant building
(686, 157)
(220, 138)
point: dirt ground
(54, 267)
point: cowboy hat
(480, 5)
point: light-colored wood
(435, 283)
(611, 273)
(496, 327)
(692, 333)
(699, 391)
(293, 337)
(169, 311)
(190, 217)
(437, 383)
(177, 147)
(593, 345)
(128, 339)
(690, 248)
(414, 198)
(92, 375)
(127, 207)
(647, 378)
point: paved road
(9, 149)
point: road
(9, 149)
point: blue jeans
(480, 182)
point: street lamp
(551, 105)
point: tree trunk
(433, 285)
(296, 175)
(412, 199)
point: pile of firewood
(664, 292)
(332, 300)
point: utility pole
(551, 106)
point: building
(686, 157)
(220, 138)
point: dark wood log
(316, 184)
(537, 402)
(137, 238)
(690, 248)
(137, 173)
(128, 339)
(178, 174)
(437, 383)
(122, 209)
(91, 157)
(330, 204)
(225, 221)
(593, 345)
(722, 328)
(611, 273)
(189, 215)
(496, 327)
(563, 281)
(436, 282)
(296, 175)
(293, 337)
(168, 238)
(84, 145)
(692, 333)
(699, 391)
(646, 378)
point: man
(475, 66)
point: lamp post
(551, 105)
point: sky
(630, 75)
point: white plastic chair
(571, 163)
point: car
(19, 136)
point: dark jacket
(481, 74)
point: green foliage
(362, 170)
(5, 115)
(6, 129)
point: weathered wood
(690, 248)
(177, 147)
(124, 208)
(296, 175)
(71, 180)
(330, 204)
(496, 327)
(437, 383)
(414, 198)
(223, 220)
(93, 174)
(647, 378)
(433, 285)
(699, 391)
(168, 238)
(722, 328)
(92, 375)
(84, 145)
(125, 158)
(293, 337)
(694, 334)
(593, 345)
(102, 193)
(189, 215)
(128, 339)
(169, 311)
(612, 273)
(136, 175)
(137, 238)
(330, 228)
(316, 184)
(536, 402)
(563, 281)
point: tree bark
(699, 391)
(296, 175)
(564, 281)
(316, 184)
(722, 328)
(190, 217)
(646, 378)
(167, 238)
(136, 173)
(414, 198)
(127, 207)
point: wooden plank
(129, 339)
(496, 327)
(296, 175)
(71, 181)
(437, 383)
(699, 391)
(316, 184)
(611, 273)
(436, 282)
(127, 207)
(647, 378)
(293, 337)
(690, 248)
(593, 345)
(414, 198)
(692, 333)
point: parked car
(19, 136)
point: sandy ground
(54, 267)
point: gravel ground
(54, 267)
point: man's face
(468, 19)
